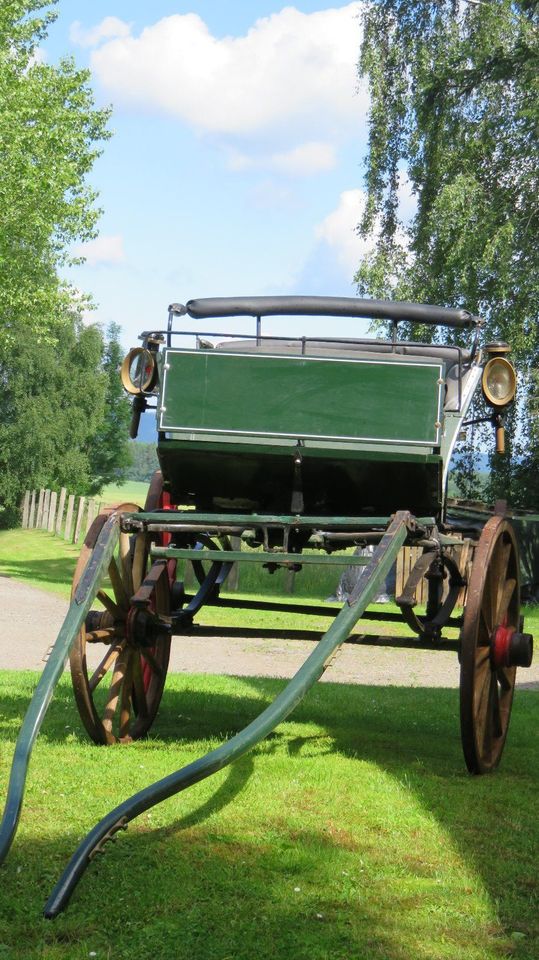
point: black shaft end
(521, 650)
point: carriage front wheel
(119, 660)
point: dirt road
(30, 620)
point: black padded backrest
(339, 348)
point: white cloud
(38, 56)
(339, 230)
(108, 29)
(290, 72)
(307, 158)
(104, 249)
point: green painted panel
(257, 395)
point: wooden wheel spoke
(127, 695)
(122, 597)
(482, 687)
(124, 547)
(506, 682)
(115, 690)
(499, 566)
(139, 561)
(494, 708)
(502, 564)
(138, 687)
(104, 666)
(505, 596)
(488, 603)
(109, 604)
(485, 625)
(482, 658)
(103, 635)
(149, 658)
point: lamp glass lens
(499, 381)
(140, 369)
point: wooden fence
(61, 513)
(70, 517)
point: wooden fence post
(69, 516)
(92, 513)
(25, 509)
(46, 505)
(32, 515)
(60, 514)
(52, 512)
(78, 523)
(39, 517)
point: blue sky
(236, 164)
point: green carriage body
(372, 422)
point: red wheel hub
(509, 648)
(500, 646)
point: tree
(49, 362)
(454, 106)
(111, 454)
(145, 461)
(52, 406)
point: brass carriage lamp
(139, 371)
(499, 385)
(139, 376)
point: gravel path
(30, 620)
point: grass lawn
(351, 832)
(130, 492)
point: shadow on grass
(411, 734)
(173, 895)
(49, 570)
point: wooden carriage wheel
(118, 699)
(491, 646)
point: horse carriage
(287, 452)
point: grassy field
(46, 561)
(351, 832)
(130, 492)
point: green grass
(46, 561)
(130, 492)
(39, 559)
(351, 832)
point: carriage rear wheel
(118, 692)
(491, 646)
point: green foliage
(52, 406)
(52, 387)
(48, 131)
(454, 103)
(144, 461)
(111, 451)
